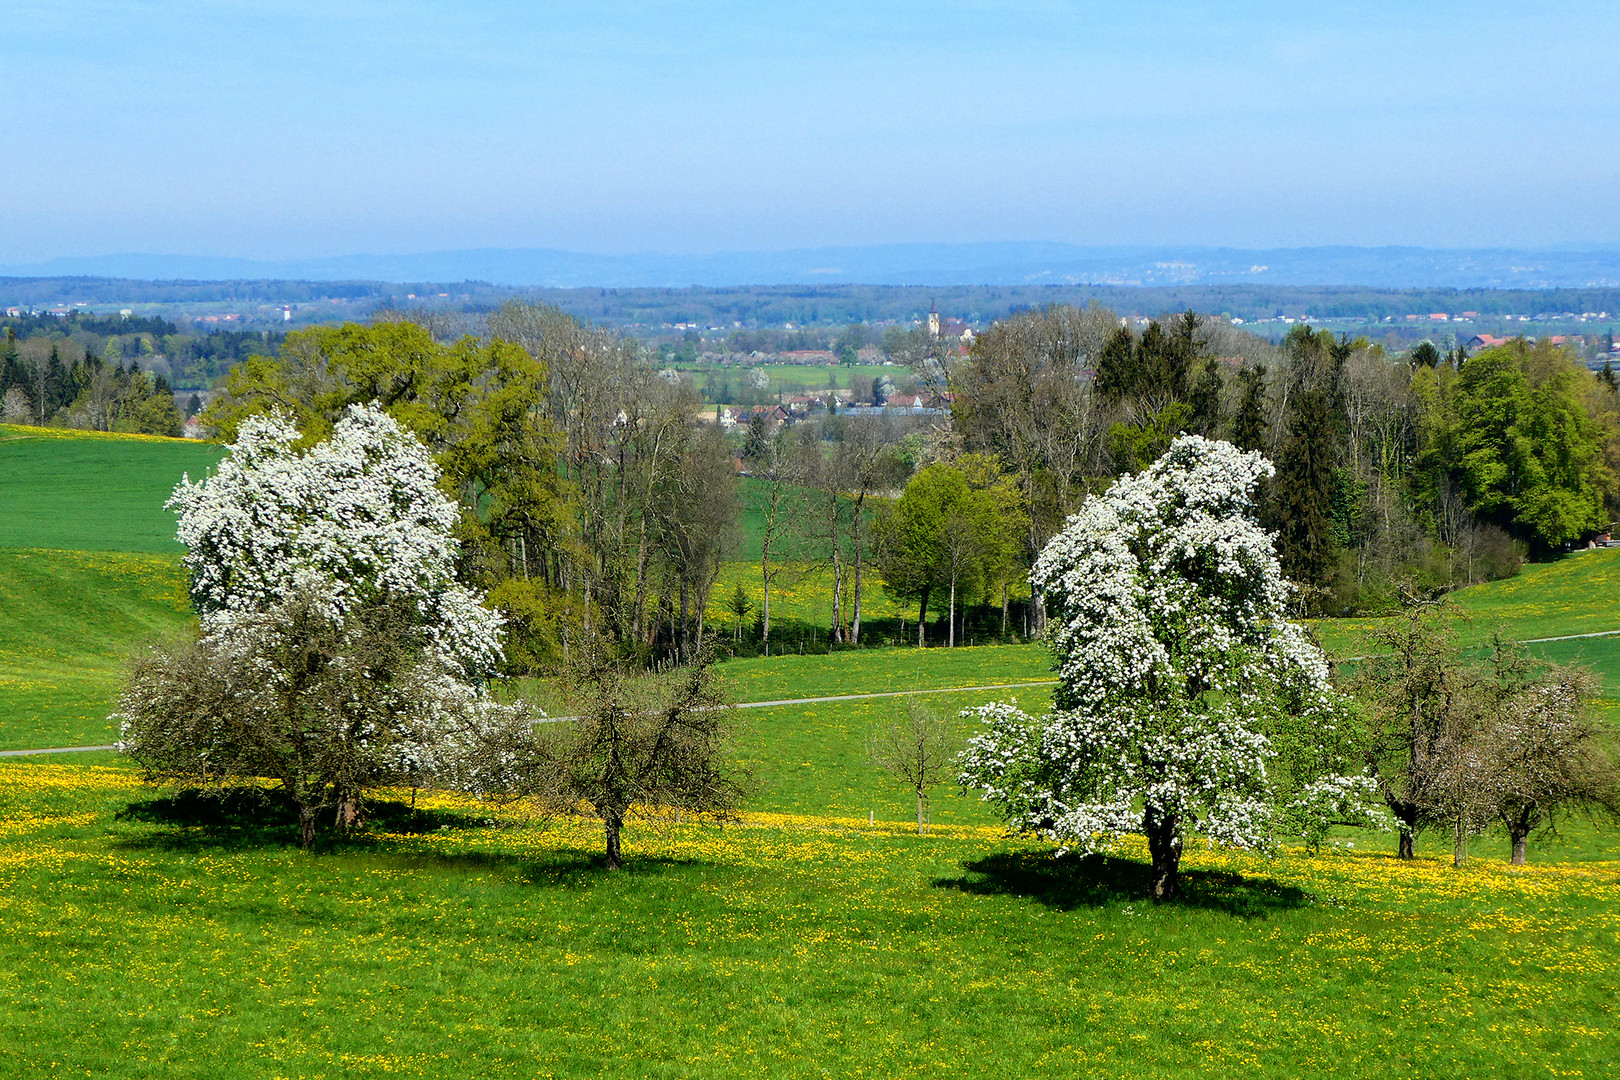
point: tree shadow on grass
(253, 817)
(1069, 882)
(250, 818)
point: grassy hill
(91, 492)
(68, 620)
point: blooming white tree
(358, 518)
(337, 650)
(1187, 702)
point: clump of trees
(98, 393)
(338, 653)
(1462, 744)
(955, 531)
(1423, 471)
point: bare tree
(1462, 744)
(1545, 754)
(1023, 395)
(649, 747)
(917, 746)
(1417, 694)
(15, 408)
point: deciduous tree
(1188, 703)
(336, 651)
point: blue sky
(291, 129)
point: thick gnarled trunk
(1164, 845)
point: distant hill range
(899, 264)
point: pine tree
(1302, 493)
(1116, 366)
(1249, 425)
(1206, 400)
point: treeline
(1414, 472)
(43, 350)
(89, 393)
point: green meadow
(144, 933)
(79, 491)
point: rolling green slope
(85, 493)
(1577, 594)
(68, 620)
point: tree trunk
(838, 592)
(1405, 827)
(349, 815)
(1518, 837)
(1164, 844)
(306, 826)
(611, 825)
(922, 620)
(765, 603)
(950, 613)
(922, 812)
(855, 605)
(855, 600)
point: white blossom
(353, 518)
(1176, 663)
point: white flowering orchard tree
(357, 518)
(337, 651)
(1187, 703)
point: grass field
(68, 621)
(1575, 594)
(143, 935)
(147, 939)
(74, 490)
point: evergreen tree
(1206, 400)
(1302, 493)
(1424, 354)
(59, 390)
(1249, 425)
(1115, 366)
